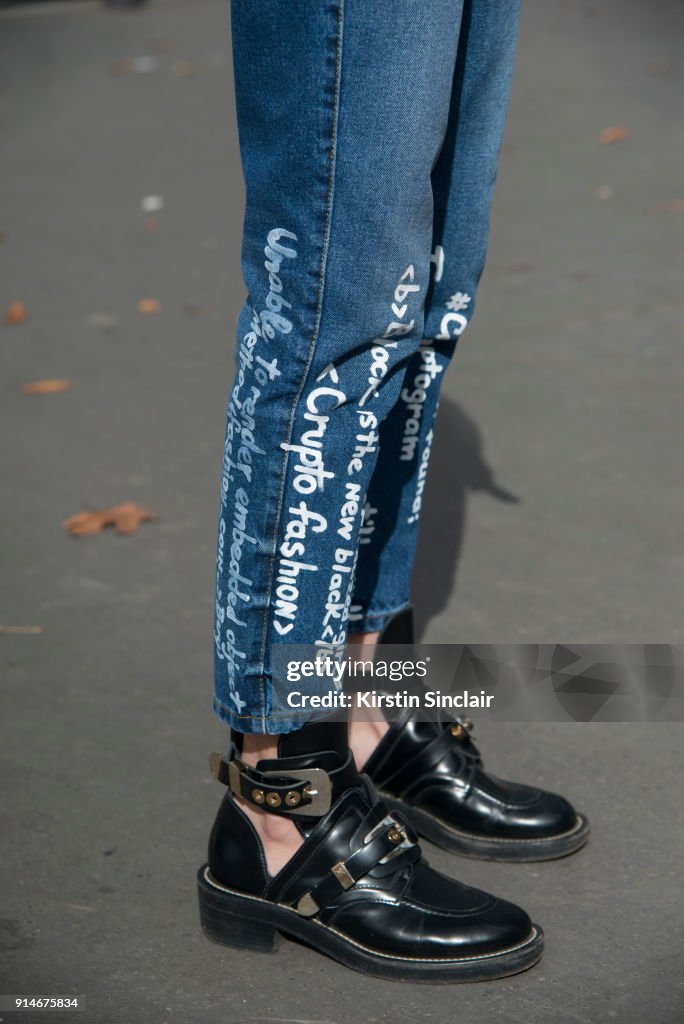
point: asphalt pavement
(556, 489)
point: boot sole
(248, 922)
(491, 848)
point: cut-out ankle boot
(358, 889)
(433, 773)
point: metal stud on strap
(461, 727)
(312, 799)
(317, 793)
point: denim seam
(312, 346)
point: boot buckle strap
(306, 791)
(380, 845)
(316, 791)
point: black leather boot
(358, 889)
(433, 773)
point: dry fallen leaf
(125, 518)
(675, 206)
(47, 387)
(616, 133)
(148, 306)
(182, 69)
(16, 313)
(121, 67)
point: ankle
(279, 836)
(257, 748)
(364, 736)
(363, 644)
(364, 732)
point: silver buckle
(319, 790)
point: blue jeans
(369, 136)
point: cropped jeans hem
(274, 724)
